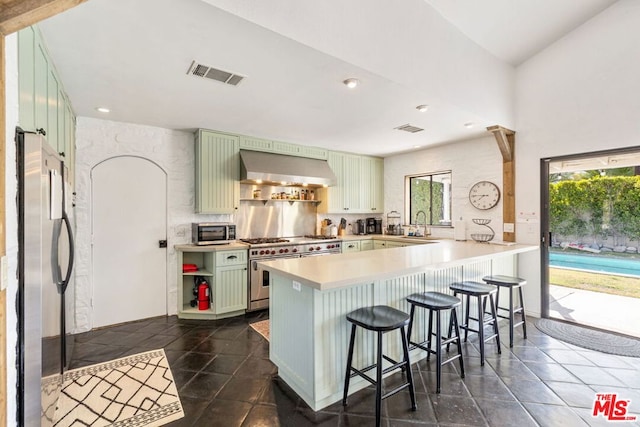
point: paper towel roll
(460, 230)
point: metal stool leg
(494, 314)
(524, 318)
(429, 336)
(438, 351)
(379, 380)
(511, 318)
(454, 316)
(347, 375)
(405, 349)
(481, 305)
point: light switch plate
(297, 286)
(4, 274)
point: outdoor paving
(612, 312)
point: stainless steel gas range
(266, 249)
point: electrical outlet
(4, 274)
(509, 227)
(297, 286)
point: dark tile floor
(225, 379)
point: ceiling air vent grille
(409, 128)
(205, 71)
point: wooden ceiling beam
(505, 139)
(506, 143)
(18, 14)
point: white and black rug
(135, 391)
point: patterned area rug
(261, 327)
(135, 391)
(590, 338)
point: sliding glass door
(590, 224)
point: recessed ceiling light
(422, 108)
(103, 109)
(258, 181)
(468, 125)
(416, 146)
(351, 83)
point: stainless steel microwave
(213, 233)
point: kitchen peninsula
(309, 298)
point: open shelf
(291, 201)
(198, 273)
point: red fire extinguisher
(204, 295)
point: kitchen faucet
(424, 233)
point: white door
(129, 209)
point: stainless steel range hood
(270, 168)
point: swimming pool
(595, 263)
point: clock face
(484, 195)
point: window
(431, 194)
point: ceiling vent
(205, 71)
(409, 128)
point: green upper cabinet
(217, 172)
(359, 188)
(44, 106)
(255, 144)
(372, 198)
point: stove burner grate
(263, 240)
(319, 237)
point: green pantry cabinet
(360, 178)
(43, 103)
(226, 272)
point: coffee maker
(361, 227)
(378, 226)
(371, 225)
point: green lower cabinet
(379, 244)
(350, 246)
(230, 289)
(226, 273)
(366, 245)
(396, 245)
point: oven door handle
(254, 265)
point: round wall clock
(484, 195)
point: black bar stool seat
(511, 283)
(380, 319)
(482, 292)
(437, 302)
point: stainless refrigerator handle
(55, 262)
(72, 254)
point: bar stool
(483, 292)
(437, 302)
(511, 283)
(380, 319)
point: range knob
(286, 250)
(294, 250)
(281, 251)
(311, 248)
(273, 252)
(262, 252)
(317, 248)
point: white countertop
(341, 270)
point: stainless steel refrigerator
(45, 260)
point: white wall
(469, 162)
(11, 214)
(579, 95)
(98, 140)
